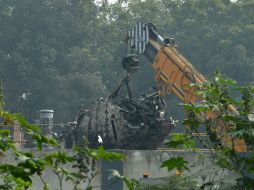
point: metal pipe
(154, 34)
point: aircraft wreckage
(126, 123)
(132, 122)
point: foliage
(179, 163)
(130, 183)
(181, 140)
(19, 175)
(101, 153)
(224, 125)
(50, 55)
(55, 51)
(178, 140)
(172, 183)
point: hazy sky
(110, 1)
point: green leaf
(42, 139)
(22, 183)
(202, 156)
(179, 163)
(61, 157)
(21, 120)
(130, 183)
(17, 173)
(101, 153)
(4, 132)
(223, 162)
(181, 140)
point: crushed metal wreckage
(126, 123)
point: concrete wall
(139, 161)
(136, 163)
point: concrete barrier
(137, 161)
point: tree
(48, 49)
(57, 50)
(217, 96)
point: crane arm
(173, 71)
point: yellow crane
(173, 72)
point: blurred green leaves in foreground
(20, 173)
(223, 110)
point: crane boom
(173, 71)
(171, 68)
